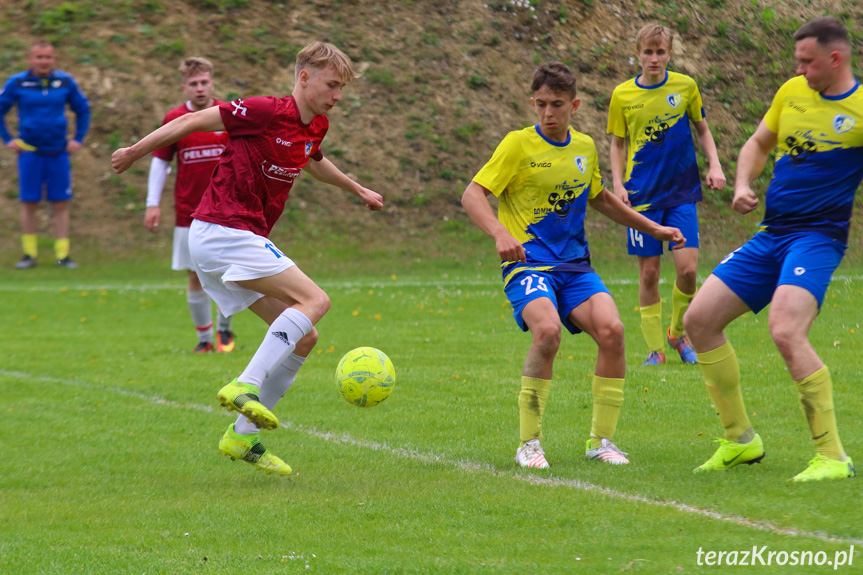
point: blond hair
(194, 66)
(653, 34)
(319, 55)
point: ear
(304, 78)
(532, 102)
(576, 102)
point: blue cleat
(683, 347)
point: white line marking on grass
(451, 283)
(470, 466)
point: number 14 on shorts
(636, 238)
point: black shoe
(26, 263)
(204, 347)
(67, 263)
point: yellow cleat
(731, 454)
(242, 397)
(248, 448)
(225, 342)
(822, 467)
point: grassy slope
(442, 83)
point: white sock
(223, 323)
(280, 341)
(202, 314)
(272, 390)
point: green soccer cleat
(822, 467)
(731, 454)
(248, 448)
(242, 397)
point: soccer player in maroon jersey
(270, 141)
(197, 156)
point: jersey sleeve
(616, 120)
(81, 106)
(771, 118)
(166, 153)
(696, 105)
(596, 183)
(499, 171)
(8, 96)
(247, 116)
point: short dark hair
(556, 76)
(826, 30)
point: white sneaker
(607, 453)
(531, 455)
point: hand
(622, 195)
(744, 200)
(667, 234)
(715, 178)
(509, 249)
(73, 146)
(122, 160)
(372, 199)
(152, 217)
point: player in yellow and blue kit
(42, 94)
(654, 170)
(816, 124)
(545, 176)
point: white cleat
(607, 453)
(531, 455)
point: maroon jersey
(197, 156)
(268, 146)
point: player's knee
(649, 276)
(786, 335)
(546, 335)
(610, 336)
(687, 276)
(320, 302)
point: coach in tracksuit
(43, 149)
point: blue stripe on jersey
(814, 192)
(666, 167)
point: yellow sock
(722, 377)
(651, 326)
(679, 304)
(30, 245)
(607, 399)
(61, 248)
(816, 400)
(531, 403)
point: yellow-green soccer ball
(365, 376)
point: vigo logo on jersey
(674, 100)
(197, 154)
(275, 172)
(843, 123)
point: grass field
(110, 426)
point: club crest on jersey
(581, 163)
(674, 100)
(308, 148)
(238, 107)
(843, 123)
(56, 83)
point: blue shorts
(683, 217)
(566, 290)
(49, 173)
(804, 259)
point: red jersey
(267, 148)
(197, 156)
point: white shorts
(222, 256)
(181, 260)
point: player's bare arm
(327, 172)
(617, 155)
(475, 203)
(152, 216)
(715, 176)
(209, 120)
(750, 163)
(611, 207)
